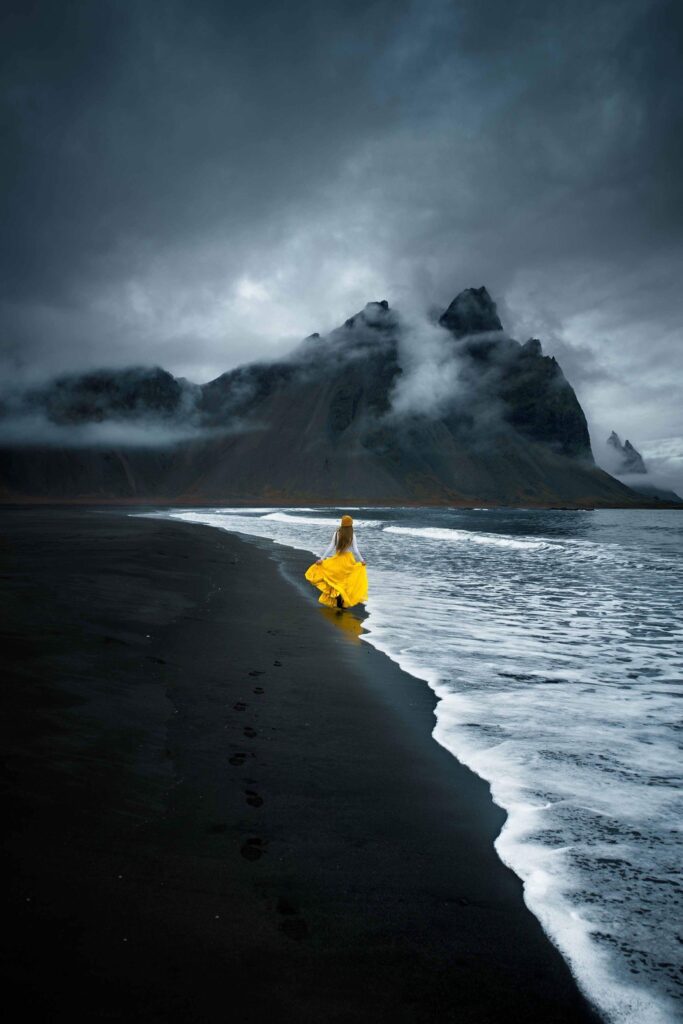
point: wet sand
(219, 802)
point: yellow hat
(347, 521)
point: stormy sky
(196, 184)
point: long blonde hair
(344, 538)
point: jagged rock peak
(472, 311)
(635, 461)
(532, 347)
(631, 459)
(373, 314)
(126, 392)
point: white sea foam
(551, 885)
(256, 510)
(469, 537)
(555, 647)
(330, 521)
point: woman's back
(342, 580)
(343, 540)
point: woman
(340, 572)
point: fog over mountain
(196, 186)
(626, 463)
(386, 408)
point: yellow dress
(340, 574)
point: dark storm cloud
(196, 184)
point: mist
(39, 431)
(663, 461)
(431, 379)
(222, 185)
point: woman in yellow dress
(340, 572)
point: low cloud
(664, 480)
(431, 377)
(608, 457)
(37, 430)
(229, 178)
(663, 459)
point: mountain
(630, 462)
(382, 410)
(472, 311)
(659, 494)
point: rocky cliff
(381, 410)
(627, 462)
(628, 459)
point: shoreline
(614, 994)
(135, 501)
(244, 793)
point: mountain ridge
(631, 464)
(382, 410)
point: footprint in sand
(240, 706)
(238, 758)
(257, 672)
(248, 731)
(293, 926)
(253, 849)
(259, 689)
(277, 664)
(253, 799)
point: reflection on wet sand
(345, 621)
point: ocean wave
(467, 536)
(549, 673)
(332, 521)
(236, 511)
(489, 745)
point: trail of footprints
(253, 848)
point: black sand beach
(218, 802)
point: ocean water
(554, 640)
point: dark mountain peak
(107, 376)
(532, 347)
(127, 392)
(344, 416)
(374, 315)
(634, 459)
(379, 315)
(630, 460)
(472, 311)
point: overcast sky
(196, 184)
